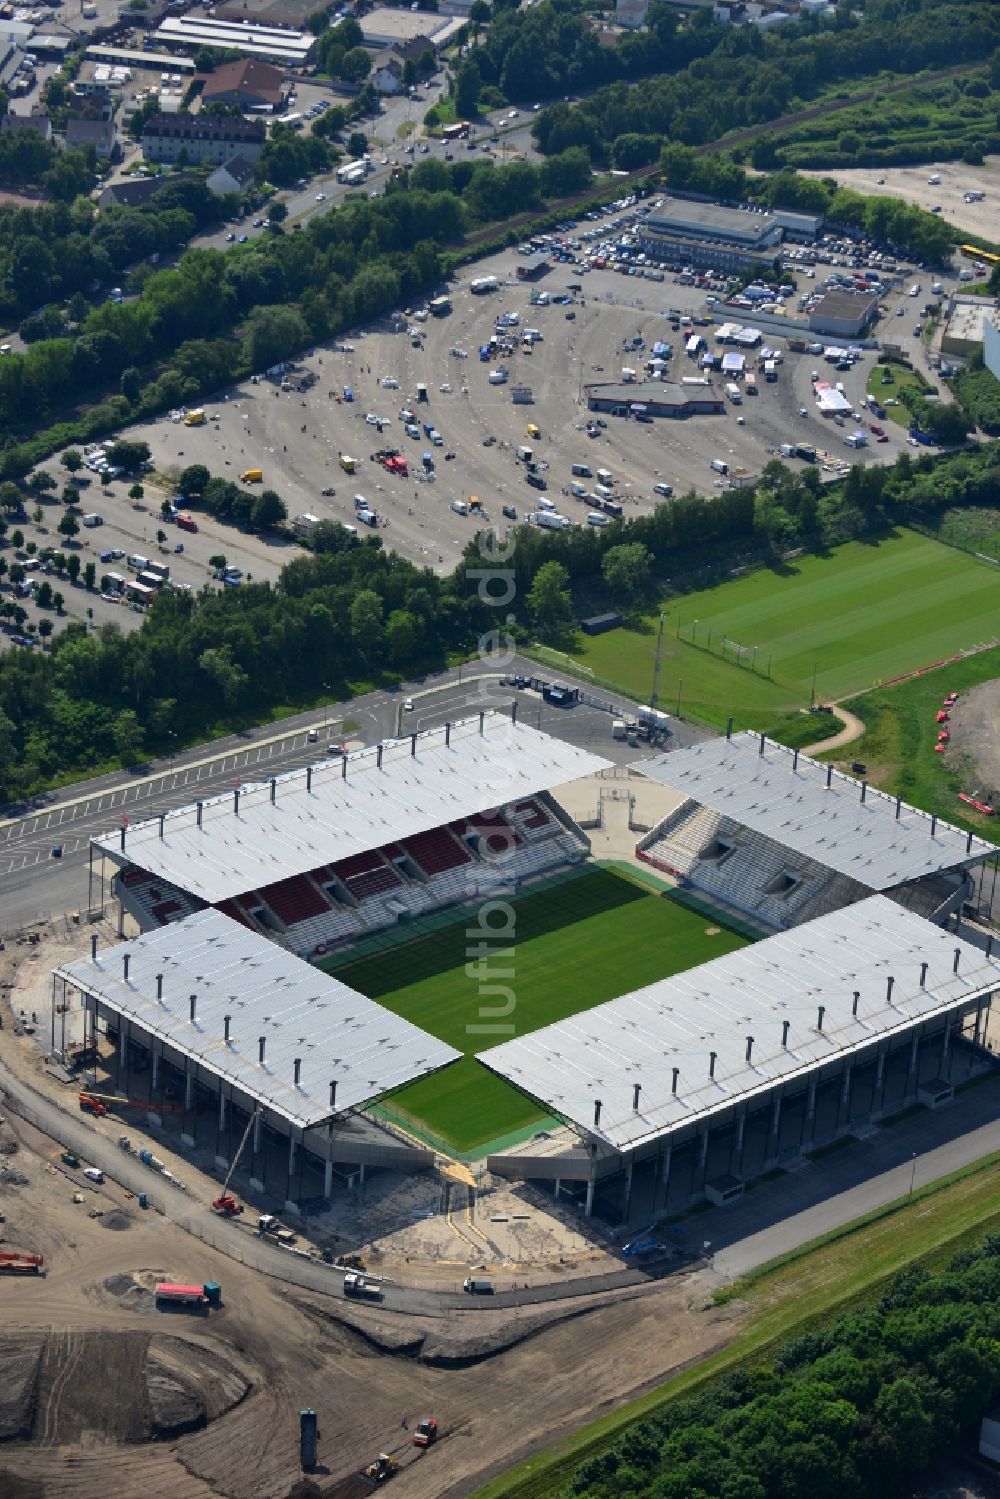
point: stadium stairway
(153, 902)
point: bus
(973, 252)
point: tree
(269, 510)
(356, 66)
(58, 601)
(130, 384)
(357, 144)
(278, 212)
(43, 597)
(127, 736)
(72, 460)
(10, 496)
(73, 565)
(226, 675)
(217, 561)
(130, 457)
(89, 575)
(193, 480)
(626, 570)
(70, 495)
(69, 526)
(549, 600)
(468, 82)
(45, 628)
(41, 482)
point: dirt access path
(853, 729)
(501, 1385)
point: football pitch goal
(562, 949)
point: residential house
(214, 138)
(250, 83)
(234, 176)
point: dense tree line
(56, 254)
(856, 1410)
(218, 316)
(749, 78)
(352, 613)
(26, 160)
(978, 392)
(345, 617)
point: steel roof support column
(187, 1133)
(737, 1155)
(772, 1141)
(256, 1175)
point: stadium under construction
(868, 988)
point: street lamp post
(326, 705)
(913, 1175)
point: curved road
(242, 1244)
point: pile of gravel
(117, 1220)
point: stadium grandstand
(218, 1024)
(688, 1087)
(211, 1012)
(321, 857)
(781, 839)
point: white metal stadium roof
(251, 838)
(817, 811)
(679, 1022)
(339, 1035)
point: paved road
(819, 1196)
(779, 1216)
(34, 885)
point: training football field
(584, 940)
(858, 615)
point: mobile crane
(225, 1203)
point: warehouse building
(846, 314)
(654, 398)
(275, 44)
(715, 224)
(709, 255)
(532, 266)
(991, 346)
(965, 332)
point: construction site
(154, 1343)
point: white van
(524, 455)
(544, 503)
(605, 475)
(138, 563)
(579, 490)
(460, 507)
(719, 466)
(92, 520)
(603, 492)
(595, 518)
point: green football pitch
(857, 616)
(584, 940)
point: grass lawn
(898, 747)
(902, 379)
(584, 941)
(787, 1298)
(860, 614)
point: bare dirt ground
(267, 1353)
(911, 184)
(973, 726)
